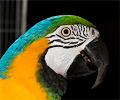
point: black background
(105, 15)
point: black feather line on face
(58, 40)
(80, 39)
(84, 31)
(64, 38)
(66, 47)
(51, 36)
(83, 37)
(73, 33)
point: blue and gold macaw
(37, 65)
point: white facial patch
(64, 48)
(59, 59)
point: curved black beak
(98, 54)
(93, 58)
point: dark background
(105, 15)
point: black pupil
(66, 31)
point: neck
(55, 84)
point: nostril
(93, 32)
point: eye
(66, 31)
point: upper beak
(93, 58)
(98, 54)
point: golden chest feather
(22, 83)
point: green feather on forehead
(71, 19)
(67, 20)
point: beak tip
(95, 85)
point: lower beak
(98, 54)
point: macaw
(39, 63)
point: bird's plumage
(24, 72)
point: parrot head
(75, 47)
(67, 47)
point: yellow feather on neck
(22, 82)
